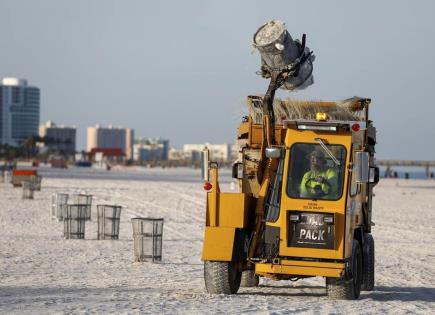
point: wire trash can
(148, 239)
(108, 217)
(74, 221)
(27, 190)
(58, 205)
(83, 199)
(36, 182)
(7, 176)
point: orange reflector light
(208, 186)
(355, 127)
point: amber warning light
(321, 116)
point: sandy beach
(42, 273)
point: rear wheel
(249, 279)
(342, 289)
(222, 277)
(368, 276)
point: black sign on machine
(310, 230)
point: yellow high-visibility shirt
(329, 187)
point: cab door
(312, 217)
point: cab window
(316, 172)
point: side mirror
(274, 153)
(374, 175)
(237, 170)
(205, 162)
(361, 167)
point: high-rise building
(111, 138)
(151, 149)
(218, 152)
(19, 111)
(61, 139)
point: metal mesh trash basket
(27, 190)
(7, 177)
(58, 205)
(36, 182)
(108, 222)
(83, 199)
(74, 221)
(148, 238)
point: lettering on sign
(314, 235)
(314, 220)
(310, 230)
(312, 206)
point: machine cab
(311, 216)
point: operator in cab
(320, 181)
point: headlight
(328, 219)
(294, 217)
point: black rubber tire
(339, 288)
(368, 276)
(249, 279)
(221, 277)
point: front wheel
(343, 289)
(222, 277)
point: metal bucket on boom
(279, 51)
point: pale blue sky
(181, 69)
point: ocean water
(183, 174)
(413, 172)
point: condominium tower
(60, 139)
(111, 137)
(19, 111)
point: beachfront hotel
(58, 138)
(111, 138)
(19, 111)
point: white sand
(42, 273)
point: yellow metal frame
(218, 244)
(213, 204)
(225, 213)
(227, 210)
(254, 133)
(300, 268)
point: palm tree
(29, 145)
